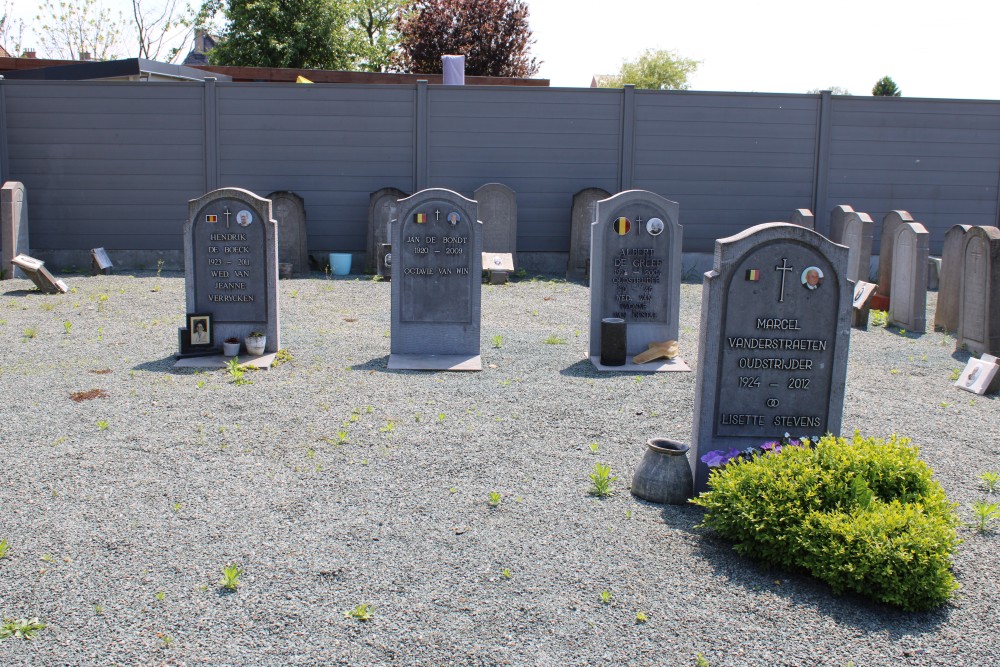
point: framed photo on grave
(200, 331)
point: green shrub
(863, 515)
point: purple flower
(715, 459)
(771, 445)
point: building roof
(129, 69)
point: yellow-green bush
(863, 515)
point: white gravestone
(908, 303)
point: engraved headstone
(436, 282)
(36, 271)
(803, 217)
(13, 228)
(890, 223)
(231, 264)
(380, 205)
(908, 303)
(979, 292)
(775, 319)
(100, 263)
(950, 280)
(289, 210)
(635, 275)
(582, 217)
(498, 213)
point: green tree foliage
(71, 27)
(493, 35)
(655, 69)
(374, 38)
(886, 87)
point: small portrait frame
(201, 333)
(812, 277)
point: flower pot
(255, 345)
(879, 302)
(664, 473)
(340, 263)
(230, 349)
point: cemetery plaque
(979, 292)
(863, 292)
(635, 275)
(950, 279)
(908, 304)
(380, 206)
(36, 271)
(498, 213)
(890, 223)
(776, 324)
(231, 264)
(582, 217)
(436, 282)
(979, 375)
(13, 228)
(290, 211)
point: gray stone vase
(664, 473)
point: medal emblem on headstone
(654, 226)
(244, 218)
(454, 217)
(622, 226)
(420, 218)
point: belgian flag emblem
(211, 218)
(753, 275)
(622, 226)
(420, 218)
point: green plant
(160, 595)
(955, 374)
(4, 548)
(98, 609)
(506, 573)
(701, 661)
(605, 597)
(497, 341)
(494, 498)
(878, 318)
(231, 574)
(593, 447)
(554, 340)
(441, 417)
(280, 357)
(601, 481)
(30, 332)
(863, 515)
(984, 514)
(389, 427)
(990, 480)
(237, 372)
(641, 617)
(20, 628)
(361, 612)
(67, 325)
(102, 424)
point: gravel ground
(334, 482)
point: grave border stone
(100, 263)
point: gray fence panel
(937, 159)
(106, 164)
(546, 144)
(731, 160)
(332, 145)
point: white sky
(931, 49)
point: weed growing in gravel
(441, 417)
(494, 499)
(98, 609)
(955, 374)
(555, 340)
(201, 384)
(701, 661)
(166, 639)
(280, 357)
(601, 479)
(4, 548)
(48, 307)
(177, 507)
(984, 514)
(29, 333)
(641, 617)
(990, 480)
(231, 577)
(21, 628)
(605, 597)
(102, 424)
(879, 318)
(593, 447)
(160, 596)
(67, 325)
(362, 612)
(389, 427)
(506, 573)
(497, 341)
(237, 372)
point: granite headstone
(908, 303)
(979, 292)
(289, 210)
(13, 228)
(775, 319)
(803, 217)
(498, 212)
(950, 279)
(582, 217)
(838, 215)
(890, 223)
(380, 206)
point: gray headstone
(498, 213)
(890, 223)
(584, 201)
(858, 230)
(289, 210)
(436, 282)
(950, 280)
(100, 263)
(837, 217)
(13, 227)
(635, 273)
(803, 217)
(231, 264)
(773, 355)
(908, 303)
(36, 271)
(979, 292)
(380, 205)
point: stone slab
(380, 206)
(908, 303)
(100, 263)
(656, 366)
(13, 228)
(262, 362)
(435, 362)
(582, 217)
(289, 209)
(891, 221)
(497, 205)
(950, 278)
(978, 375)
(35, 270)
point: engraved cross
(784, 268)
(227, 214)
(437, 214)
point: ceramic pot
(255, 344)
(230, 349)
(664, 473)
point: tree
(886, 87)
(836, 90)
(11, 32)
(154, 27)
(655, 69)
(493, 35)
(301, 34)
(374, 38)
(79, 26)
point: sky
(939, 49)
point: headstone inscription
(950, 280)
(436, 283)
(890, 223)
(36, 271)
(635, 275)
(498, 213)
(13, 228)
(582, 217)
(775, 316)
(803, 217)
(231, 264)
(289, 210)
(979, 292)
(380, 206)
(908, 303)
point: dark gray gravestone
(380, 205)
(908, 303)
(231, 264)
(584, 201)
(950, 280)
(979, 292)
(635, 275)
(289, 210)
(436, 282)
(890, 223)
(775, 321)
(498, 213)
(803, 217)
(36, 271)
(13, 228)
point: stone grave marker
(980, 375)
(908, 303)
(635, 276)
(857, 230)
(100, 263)
(437, 269)
(36, 271)
(582, 217)
(231, 264)
(498, 266)
(380, 206)
(498, 213)
(950, 279)
(775, 322)
(863, 292)
(838, 215)
(289, 209)
(979, 292)
(890, 223)
(803, 217)
(13, 228)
